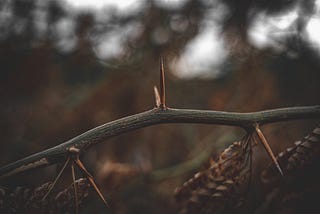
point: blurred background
(68, 66)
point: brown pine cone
(220, 187)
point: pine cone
(24, 200)
(218, 188)
(296, 192)
(64, 200)
(296, 160)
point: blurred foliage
(62, 73)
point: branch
(160, 114)
(152, 117)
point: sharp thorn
(156, 96)
(162, 85)
(90, 179)
(56, 179)
(74, 188)
(95, 187)
(82, 167)
(267, 148)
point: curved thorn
(267, 148)
(74, 188)
(90, 178)
(56, 179)
(162, 85)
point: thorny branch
(73, 157)
(158, 115)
